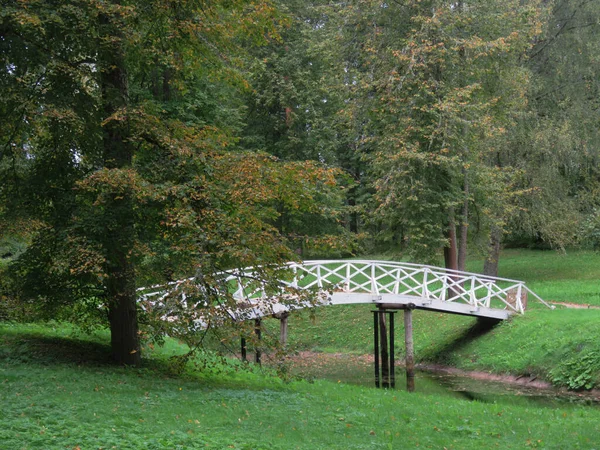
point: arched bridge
(387, 285)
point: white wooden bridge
(387, 285)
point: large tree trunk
(118, 215)
(464, 224)
(490, 266)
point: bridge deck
(394, 301)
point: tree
(298, 90)
(119, 130)
(441, 94)
(562, 128)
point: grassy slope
(558, 345)
(57, 392)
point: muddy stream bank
(440, 380)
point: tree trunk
(122, 316)
(464, 224)
(450, 258)
(490, 266)
(118, 212)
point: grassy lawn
(571, 277)
(59, 393)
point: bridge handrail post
(347, 277)
(488, 297)
(472, 295)
(444, 280)
(373, 281)
(295, 280)
(240, 288)
(319, 280)
(519, 302)
(425, 286)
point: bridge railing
(358, 276)
(425, 282)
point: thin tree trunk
(450, 257)
(118, 216)
(464, 224)
(490, 266)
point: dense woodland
(146, 141)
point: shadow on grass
(30, 350)
(33, 348)
(36, 349)
(478, 329)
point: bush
(590, 231)
(580, 371)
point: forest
(143, 142)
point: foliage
(580, 371)
(444, 85)
(590, 230)
(120, 142)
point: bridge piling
(410, 351)
(243, 345)
(376, 345)
(384, 348)
(258, 332)
(283, 328)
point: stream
(358, 370)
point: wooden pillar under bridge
(410, 351)
(408, 342)
(376, 345)
(283, 327)
(243, 344)
(384, 348)
(258, 332)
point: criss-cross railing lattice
(420, 281)
(356, 281)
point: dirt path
(575, 305)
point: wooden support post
(376, 345)
(258, 332)
(383, 343)
(244, 356)
(410, 351)
(283, 328)
(392, 359)
(383, 349)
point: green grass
(58, 392)
(570, 277)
